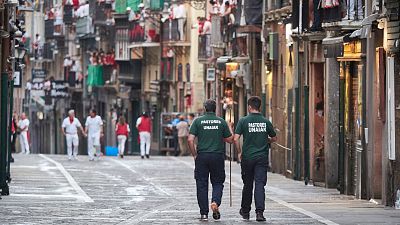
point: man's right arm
(236, 139)
(191, 145)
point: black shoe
(245, 216)
(260, 217)
(147, 156)
(122, 156)
(204, 218)
(215, 209)
(11, 160)
(142, 157)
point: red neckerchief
(71, 120)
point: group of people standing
(93, 131)
(211, 132)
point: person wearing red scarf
(69, 128)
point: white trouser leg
(96, 144)
(90, 147)
(75, 142)
(69, 138)
(147, 138)
(23, 137)
(181, 24)
(142, 143)
(121, 144)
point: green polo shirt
(210, 131)
(255, 130)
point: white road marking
(143, 217)
(43, 196)
(141, 175)
(277, 200)
(81, 194)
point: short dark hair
(254, 102)
(93, 111)
(210, 105)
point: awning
(336, 40)
(144, 45)
(365, 31)
(223, 59)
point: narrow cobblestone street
(49, 189)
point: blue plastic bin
(111, 151)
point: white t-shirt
(22, 124)
(207, 27)
(94, 125)
(71, 128)
(179, 11)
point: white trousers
(93, 145)
(23, 141)
(145, 142)
(72, 144)
(181, 26)
(121, 144)
(355, 6)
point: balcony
(276, 4)
(84, 26)
(336, 17)
(216, 32)
(172, 34)
(136, 32)
(68, 14)
(47, 52)
(205, 50)
(130, 72)
(49, 28)
(102, 14)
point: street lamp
(19, 52)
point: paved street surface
(49, 189)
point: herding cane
(230, 160)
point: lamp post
(8, 33)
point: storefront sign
(53, 89)
(38, 75)
(211, 74)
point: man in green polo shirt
(211, 132)
(258, 133)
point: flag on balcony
(120, 6)
(156, 4)
(134, 4)
(95, 75)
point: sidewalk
(49, 189)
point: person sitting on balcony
(206, 27)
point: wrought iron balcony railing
(205, 50)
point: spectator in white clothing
(69, 128)
(94, 130)
(23, 127)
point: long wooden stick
(230, 163)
